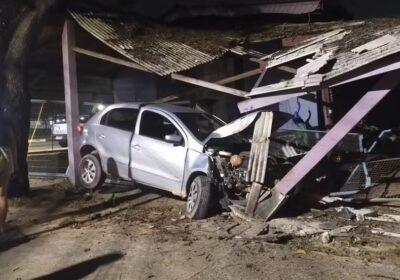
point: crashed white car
(173, 148)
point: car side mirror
(174, 139)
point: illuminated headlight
(338, 158)
(236, 160)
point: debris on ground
(296, 227)
(155, 222)
(386, 233)
(349, 213)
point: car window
(156, 126)
(121, 118)
(200, 124)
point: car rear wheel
(91, 175)
(199, 201)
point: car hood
(234, 127)
(238, 125)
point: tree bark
(16, 97)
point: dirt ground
(136, 233)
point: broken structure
(339, 55)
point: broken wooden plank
(315, 65)
(260, 78)
(313, 41)
(380, 42)
(385, 218)
(262, 102)
(209, 85)
(288, 69)
(385, 233)
(375, 72)
(252, 200)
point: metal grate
(371, 173)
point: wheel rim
(192, 197)
(88, 171)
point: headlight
(236, 160)
(337, 158)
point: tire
(199, 201)
(91, 174)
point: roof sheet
(155, 49)
(170, 49)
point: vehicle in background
(59, 128)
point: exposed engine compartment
(232, 169)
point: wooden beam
(287, 69)
(71, 101)
(264, 63)
(109, 58)
(253, 104)
(260, 78)
(377, 71)
(239, 77)
(209, 85)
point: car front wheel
(199, 199)
(91, 174)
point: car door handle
(102, 136)
(137, 147)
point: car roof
(133, 105)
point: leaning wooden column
(258, 159)
(71, 100)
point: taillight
(79, 129)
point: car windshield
(201, 125)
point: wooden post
(71, 100)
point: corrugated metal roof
(159, 54)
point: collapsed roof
(336, 56)
(164, 49)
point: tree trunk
(16, 97)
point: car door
(155, 161)
(113, 137)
